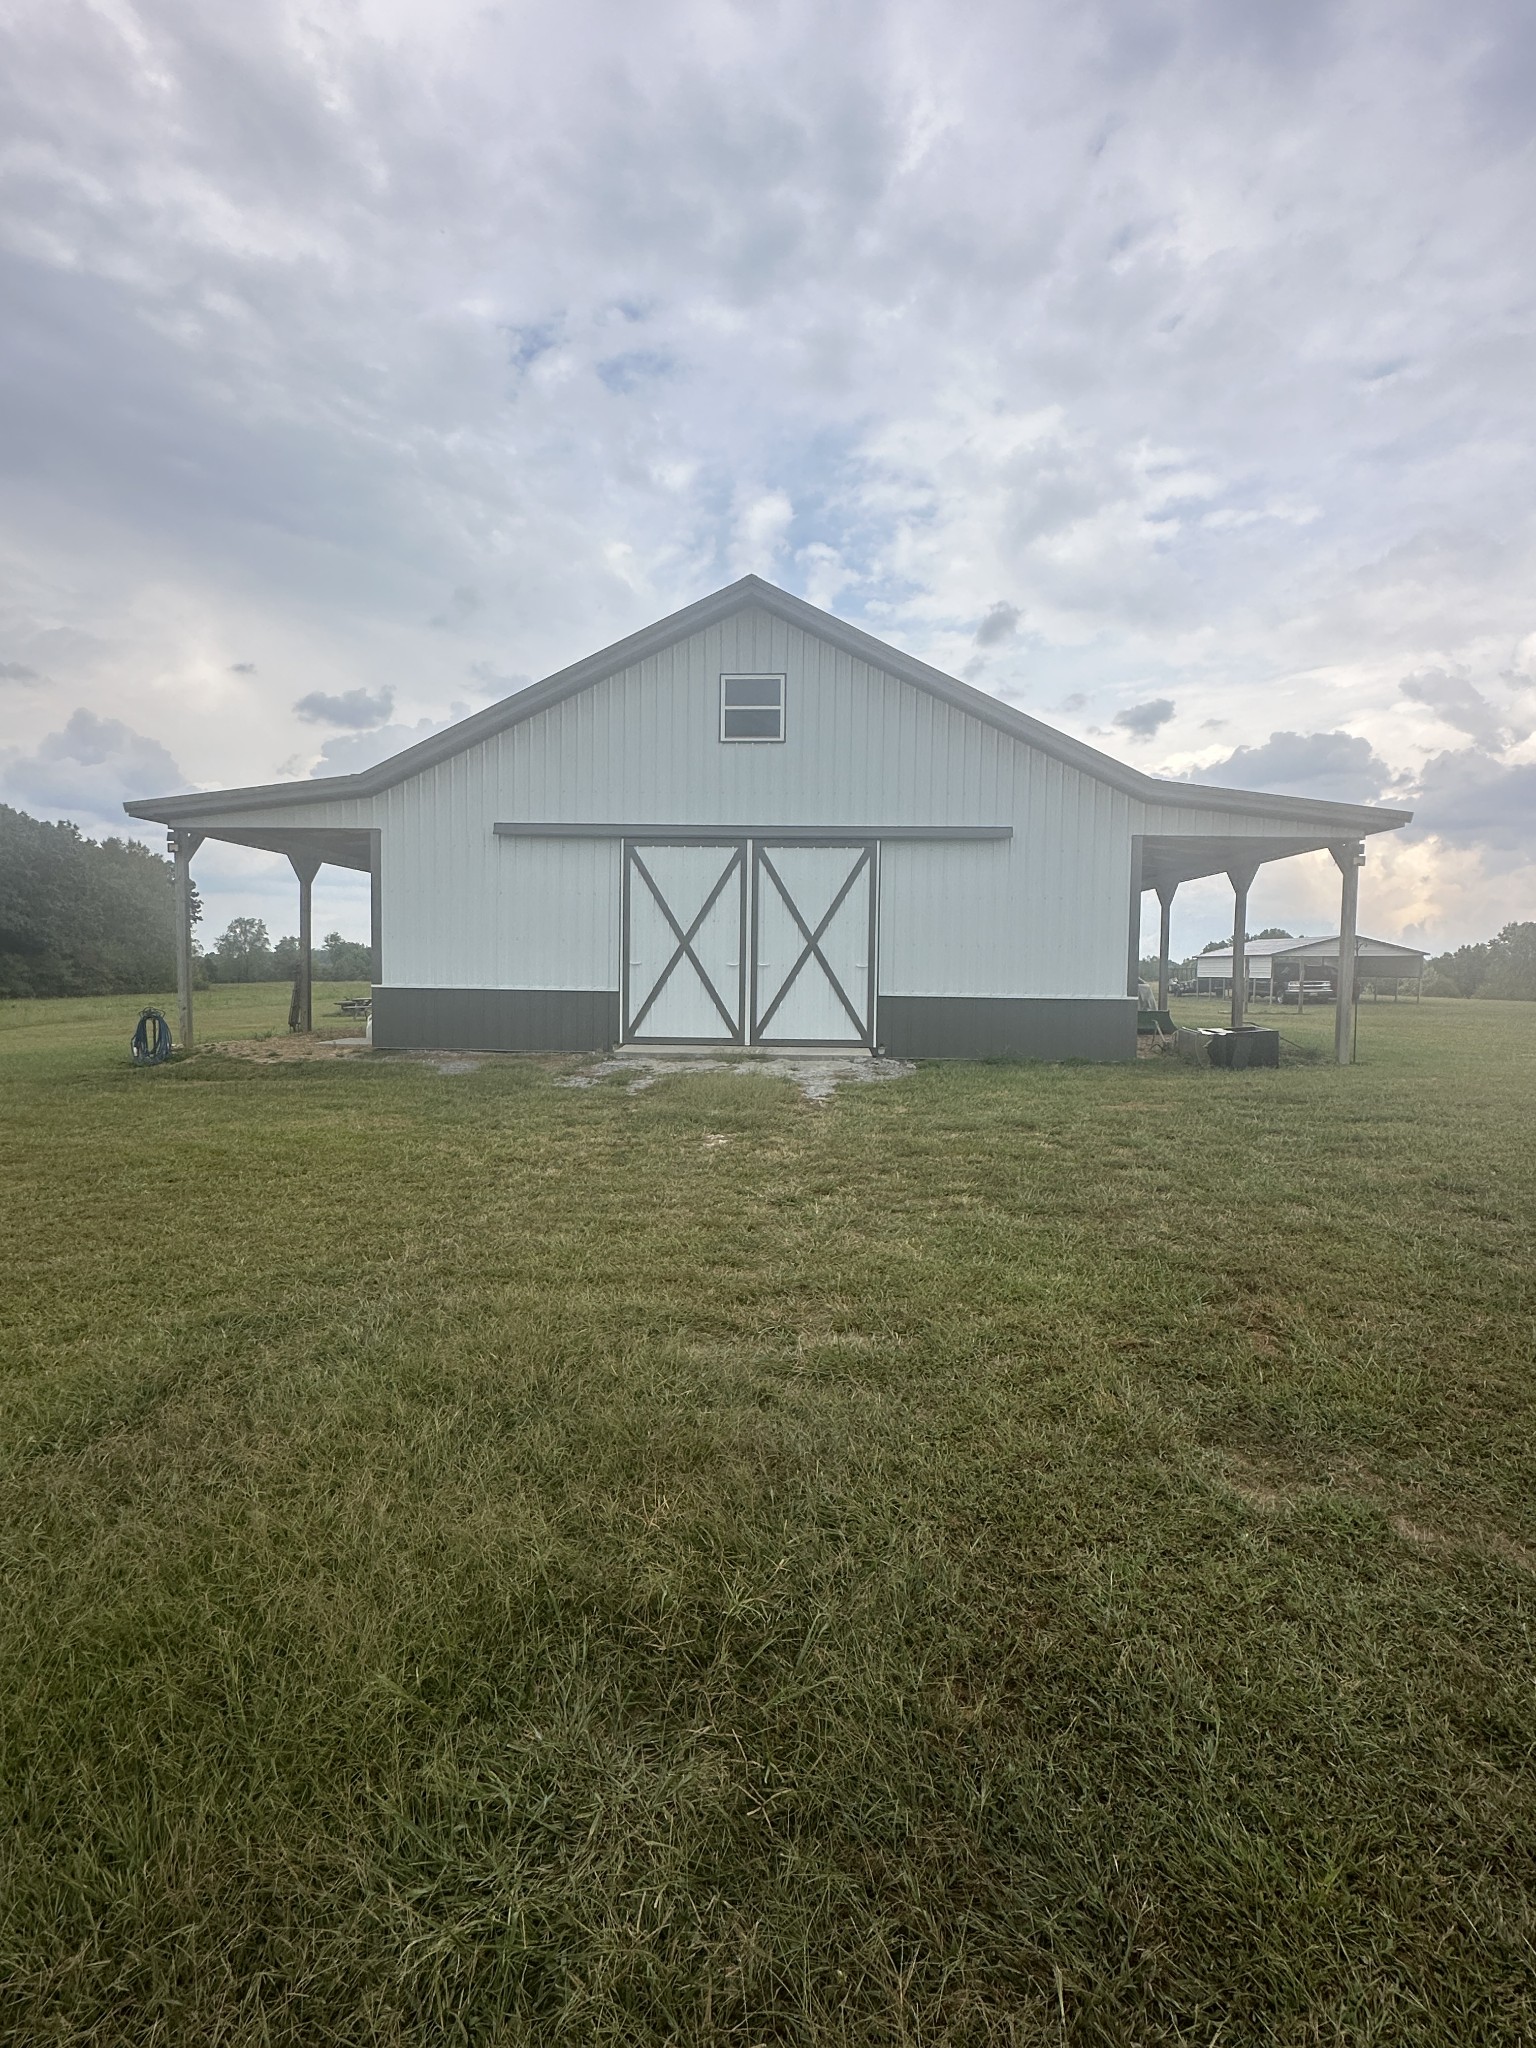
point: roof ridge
(1350, 819)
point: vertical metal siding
(1042, 914)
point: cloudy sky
(1163, 366)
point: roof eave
(180, 810)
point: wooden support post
(301, 1015)
(1133, 933)
(376, 907)
(1242, 881)
(1349, 856)
(183, 845)
(1166, 891)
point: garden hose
(151, 1039)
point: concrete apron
(818, 1075)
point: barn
(755, 825)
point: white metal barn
(752, 824)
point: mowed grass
(1019, 1554)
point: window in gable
(752, 707)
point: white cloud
(761, 529)
(351, 708)
(1463, 707)
(1000, 623)
(1471, 798)
(1340, 766)
(86, 770)
(1141, 721)
(350, 752)
(341, 359)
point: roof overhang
(1167, 859)
(332, 846)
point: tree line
(89, 917)
(1503, 966)
(82, 917)
(243, 952)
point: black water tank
(1251, 1045)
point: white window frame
(756, 739)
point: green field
(1019, 1554)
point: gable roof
(1365, 949)
(1266, 949)
(1324, 949)
(1350, 819)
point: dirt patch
(1485, 1542)
(289, 1045)
(1496, 1544)
(1253, 1488)
(1272, 1494)
(1416, 1533)
(298, 1045)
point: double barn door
(749, 941)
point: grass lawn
(1018, 1554)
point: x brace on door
(812, 948)
(685, 939)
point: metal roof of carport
(1312, 824)
(1385, 950)
(1323, 952)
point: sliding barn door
(813, 943)
(683, 951)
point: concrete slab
(818, 1075)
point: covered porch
(1166, 860)
(306, 848)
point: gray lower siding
(1009, 1027)
(911, 1027)
(496, 1019)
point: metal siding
(1042, 915)
(495, 1019)
(355, 812)
(1172, 818)
(1037, 1028)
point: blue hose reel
(151, 1040)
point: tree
(1512, 964)
(242, 952)
(1464, 971)
(342, 959)
(80, 916)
